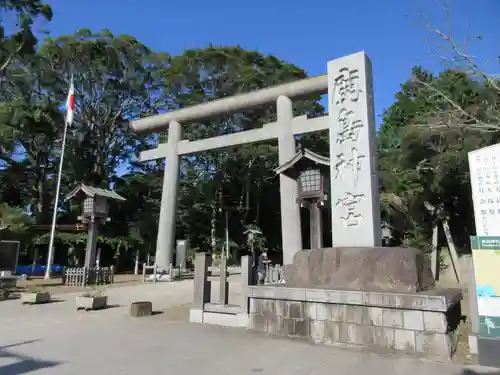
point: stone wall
(381, 327)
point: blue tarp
(39, 270)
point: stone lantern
(95, 205)
(311, 171)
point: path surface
(54, 339)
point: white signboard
(485, 182)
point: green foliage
(423, 145)
(22, 42)
(13, 219)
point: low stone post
(473, 308)
(202, 290)
(246, 280)
(224, 284)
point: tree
(424, 163)
(116, 78)
(31, 125)
(485, 115)
(22, 41)
(13, 219)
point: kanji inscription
(353, 174)
(349, 126)
(350, 162)
(349, 202)
(485, 183)
(346, 86)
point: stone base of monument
(222, 315)
(380, 299)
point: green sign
(486, 258)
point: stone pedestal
(420, 324)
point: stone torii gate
(354, 194)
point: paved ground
(55, 339)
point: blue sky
(307, 34)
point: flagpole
(50, 256)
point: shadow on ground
(491, 371)
(23, 364)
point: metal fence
(153, 273)
(82, 276)
(274, 274)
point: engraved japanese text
(352, 216)
(346, 86)
(349, 126)
(350, 162)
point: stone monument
(353, 168)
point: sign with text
(484, 165)
(486, 258)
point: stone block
(375, 316)
(332, 332)
(361, 268)
(275, 326)
(254, 306)
(242, 320)
(294, 310)
(404, 340)
(224, 293)
(225, 320)
(413, 319)
(381, 299)
(351, 297)
(383, 337)
(301, 328)
(392, 318)
(280, 291)
(261, 291)
(317, 331)
(279, 307)
(356, 334)
(257, 323)
(323, 311)
(142, 308)
(433, 300)
(288, 327)
(355, 314)
(433, 345)
(195, 316)
(473, 344)
(312, 310)
(337, 313)
(435, 322)
(201, 288)
(267, 308)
